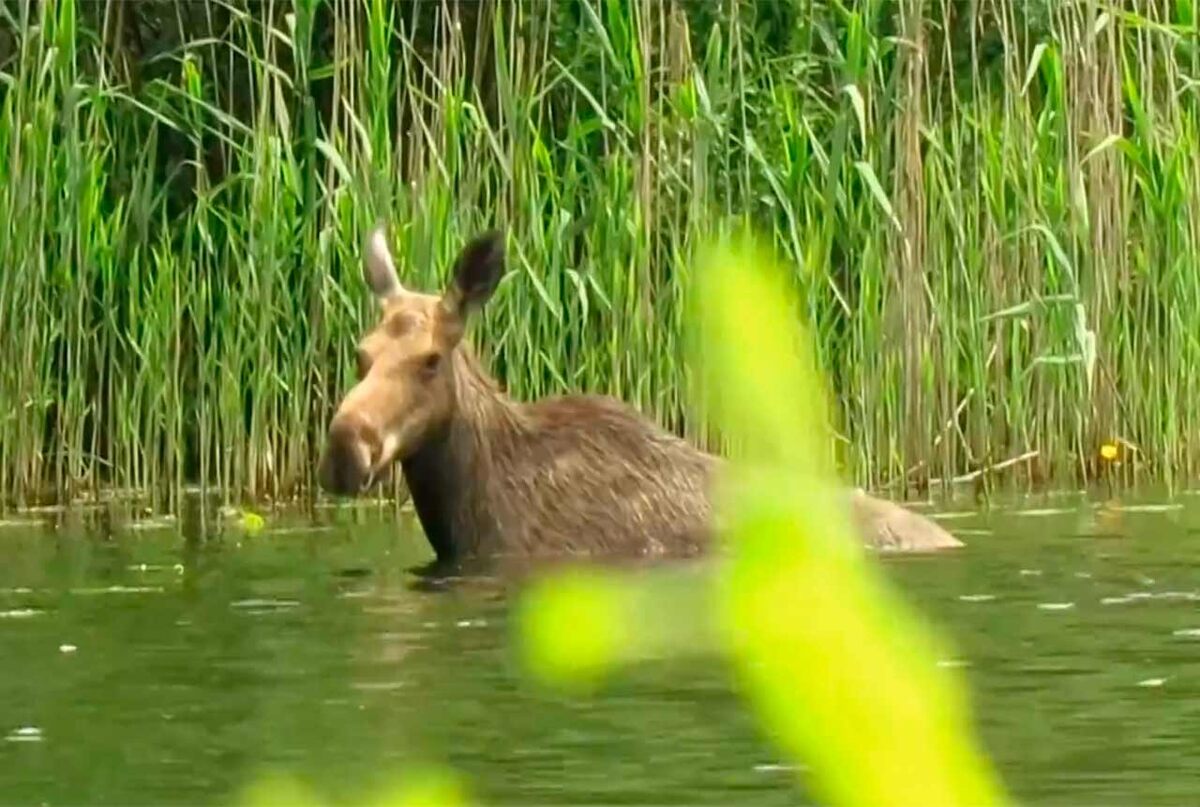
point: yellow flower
(1108, 452)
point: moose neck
(452, 478)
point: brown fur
(574, 474)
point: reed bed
(993, 221)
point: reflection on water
(141, 667)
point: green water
(165, 666)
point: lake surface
(169, 664)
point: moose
(491, 476)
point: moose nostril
(344, 467)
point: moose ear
(378, 268)
(477, 272)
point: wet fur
(584, 475)
(577, 474)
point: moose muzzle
(349, 455)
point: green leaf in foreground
(840, 671)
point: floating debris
(1084, 575)
(773, 767)
(67, 648)
(1045, 511)
(157, 523)
(976, 597)
(1152, 682)
(49, 508)
(1147, 508)
(120, 590)
(1189, 632)
(19, 613)
(1190, 596)
(471, 623)
(262, 606)
(25, 734)
(302, 530)
(1055, 606)
(155, 567)
(1031, 572)
(337, 504)
(377, 686)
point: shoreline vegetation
(992, 222)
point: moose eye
(430, 363)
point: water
(139, 667)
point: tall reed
(994, 223)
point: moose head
(405, 392)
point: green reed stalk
(992, 227)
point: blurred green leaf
(840, 671)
